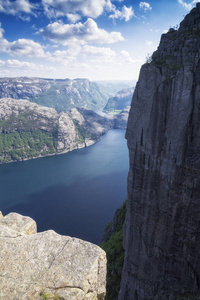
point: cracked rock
(47, 265)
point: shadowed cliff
(162, 227)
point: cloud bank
(81, 33)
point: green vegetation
(82, 132)
(157, 60)
(20, 145)
(112, 245)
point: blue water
(75, 193)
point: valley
(30, 130)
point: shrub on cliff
(112, 245)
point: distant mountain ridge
(112, 87)
(61, 94)
(120, 101)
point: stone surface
(162, 229)
(19, 223)
(47, 265)
(120, 120)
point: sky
(94, 39)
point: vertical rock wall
(162, 226)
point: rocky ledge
(47, 265)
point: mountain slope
(111, 87)
(120, 101)
(59, 94)
(30, 130)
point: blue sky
(95, 39)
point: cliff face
(47, 265)
(162, 228)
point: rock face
(162, 228)
(30, 130)
(47, 265)
(120, 120)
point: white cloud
(127, 57)
(145, 6)
(20, 47)
(25, 47)
(73, 18)
(185, 5)
(13, 63)
(17, 7)
(188, 6)
(87, 8)
(125, 53)
(65, 56)
(126, 13)
(81, 33)
(1, 32)
(149, 43)
(13, 67)
(98, 54)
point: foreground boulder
(47, 265)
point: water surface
(75, 193)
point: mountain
(120, 120)
(59, 94)
(30, 130)
(121, 100)
(162, 228)
(111, 87)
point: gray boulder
(47, 265)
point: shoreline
(85, 145)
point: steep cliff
(30, 130)
(47, 265)
(162, 227)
